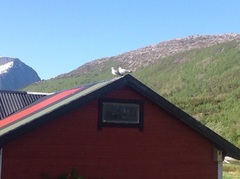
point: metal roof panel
(13, 101)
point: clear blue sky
(57, 36)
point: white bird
(116, 72)
(123, 71)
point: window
(120, 113)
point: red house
(111, 129)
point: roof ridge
(37, 93)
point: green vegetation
(58, 84)
(231, 171)
(203, 82)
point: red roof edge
(38, 106)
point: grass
(231, 170)
(230, 176)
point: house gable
(165, 148)
(96, 91)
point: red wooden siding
(166, 148)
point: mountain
(14, 74)
(135, 60)
(146, 56)
(199, 74)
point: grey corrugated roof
(13, 101)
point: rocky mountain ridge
(14, 74)
(148, 55)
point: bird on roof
(123, 71)
(116, 72)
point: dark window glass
(120, 113)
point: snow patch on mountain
(14, 74)
(5, 67)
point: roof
(12, 101)
(52, 106)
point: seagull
(116, 72)
(123, 71)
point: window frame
(102, 123)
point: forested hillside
(204, 82)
